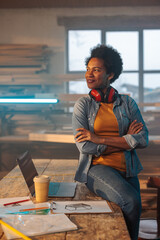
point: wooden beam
(30, 78)
(75, 4)
(70, 97)
(154, 104)
(120, 22)
(21, 46)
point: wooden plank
(23, 53)
(59, 77)
(66, 138)
(23, 82)
(70, 97)
(154, 139)
(63, 138)
(35, 79)
(21, 46)
(12, 70)
(13, 138)
(70, 77)
(20, 78)
(108, 226)
(20, 62)
(154, 104)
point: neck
(104, 89)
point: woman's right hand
(135, 127)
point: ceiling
(74, 3)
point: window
(127, 44)
(152, 87)
(151, 66)
(79, 45)
(127, 84)
(151, 49)
(78, 87)
(140, 51)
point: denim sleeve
(139, 140)
(80, 120)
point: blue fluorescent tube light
(28, 100)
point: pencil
(16, 202)
(15, 230)
(31, 209)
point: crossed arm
(114, 144)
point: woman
(108, 127)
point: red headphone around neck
(109, 97)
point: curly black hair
(112, 59)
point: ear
(110, 76)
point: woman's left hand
(135, 127)
(85, 135)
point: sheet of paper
(82, 207)
(37, 225)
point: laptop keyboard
(53, 188)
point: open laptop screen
(28, 170)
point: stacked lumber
(23, 58)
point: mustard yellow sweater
(106, 125)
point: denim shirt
(126, 111)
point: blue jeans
(112, 185)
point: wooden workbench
(104, 226)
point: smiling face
(96, 75)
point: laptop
(56, 189)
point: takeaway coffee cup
(41, 184)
